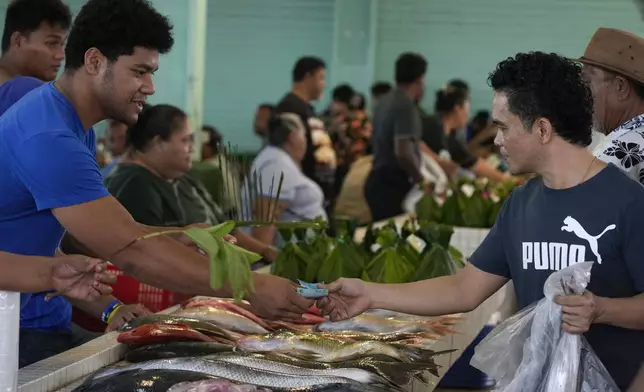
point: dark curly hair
(26, 16)
(539, 84)
(116, 28)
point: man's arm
(462, 292)
(111, 232)
(487, 272)
(621, 312)
(484, 169)
(450, 168)
(407, 129)
(27, 274)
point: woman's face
(175, 154)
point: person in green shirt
(152, 183)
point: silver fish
(358, 375)
(375, 324)
(318, 347)
(215, 386)
(224, 318)
(233, 372)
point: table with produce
(213, 344)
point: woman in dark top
(151, 182)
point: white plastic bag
(529, 352)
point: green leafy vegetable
(228, 262)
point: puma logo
(572, 226)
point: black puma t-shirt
(541, 230)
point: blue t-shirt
(47, 161)
(541, 230)
(10, 92)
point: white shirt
(624, 147)
(304, 197)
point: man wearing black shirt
(396, 137)
(308, 85)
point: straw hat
(617, 51)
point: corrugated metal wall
(251, 48)
(467, 38)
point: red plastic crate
(130, 291)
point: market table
(65, 371)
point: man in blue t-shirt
(577, 209)
(32, 52)
(51, 182)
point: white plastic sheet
(529, 352)
(9, 335)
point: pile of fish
(215, 345)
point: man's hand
(347, 298)
(578, 312)
(276, 298)
(81, 277)
(124, 314)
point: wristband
(109, 310)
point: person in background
(613, 63)
(452, 107)
(396, 137)
(544, 113)
(308, 77)
(32, 46)
(263, 115)
(115, 138)
(153, 183)
(217, 174)
(53, 188)
(300, 198)
(379, 90)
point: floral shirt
(624, 147)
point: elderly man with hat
(614, 65)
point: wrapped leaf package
(529, 352)
(469, 203)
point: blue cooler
(462, 375)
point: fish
(157, 333)
(175, 350)
(377, 324)
(397, 372)
(378, 337)
(359, 375)
(215, 386)
(325, 349)
(230, 371)
(224, 318)
(218, 303)
(203, 326)
(141, 381)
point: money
(311, 290)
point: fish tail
(417, 354)
(396, 373)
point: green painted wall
(467, 38)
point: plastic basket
(131, 291)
